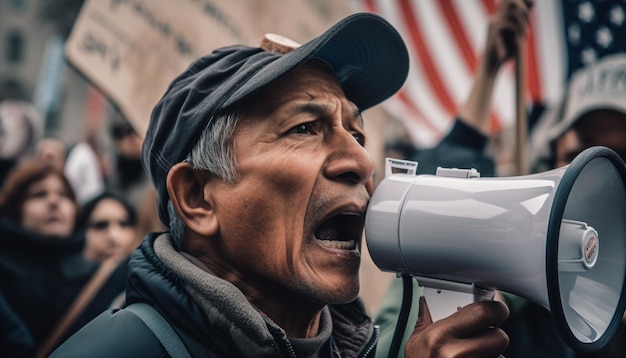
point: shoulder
(114, 333)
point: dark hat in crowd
(599, 85)
(366, 53)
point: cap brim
(366, 53)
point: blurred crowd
(67, 227)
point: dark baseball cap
(366, 53)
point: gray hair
(212, 153)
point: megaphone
(557, 238)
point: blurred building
(32, 65)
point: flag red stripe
(458, 33)
(463, 43)
(490, 6)
(532, 75)
(402, 95)
(428, 67)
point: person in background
(51, 150)
(592, 112)
(42, 268)
(38, 214)
(464, 145)
(109, 222)
(128, 178)
(20, 128)
(108, 225)
(79, 163)
(259, 162)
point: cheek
(126, 236)
(95, 245)
(31, 213)
(263, 231)
(70, 210)
(93, 239)
(291, 177)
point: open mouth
(342, 231)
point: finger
(489, 343)
(515, 17)
(424, 318)
(418, 344)
(476, 317)
(529, 4)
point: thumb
(423, 316)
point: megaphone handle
(442, 303)
(446, 297)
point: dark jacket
(15, 339)
(40, 277)
(463, 147)
(211, 316)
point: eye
(303, 128)
(99, 225)
(65, 194)
(37, 194)
(359, 137)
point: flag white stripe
(446, 56)
(417, 88)
(420, 133)
(474, 18)
(551, 51)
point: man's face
(292, 224)
(600, 127)
(51, 151)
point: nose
(115, 233)
(349, 162)
(54, 200)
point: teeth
(343, 245)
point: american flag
(446, 37)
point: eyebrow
(321, 109)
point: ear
(185, 187)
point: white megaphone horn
(557, 238)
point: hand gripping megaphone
(557, 238)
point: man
(258, 159)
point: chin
(347, 293)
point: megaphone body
(557, 238)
